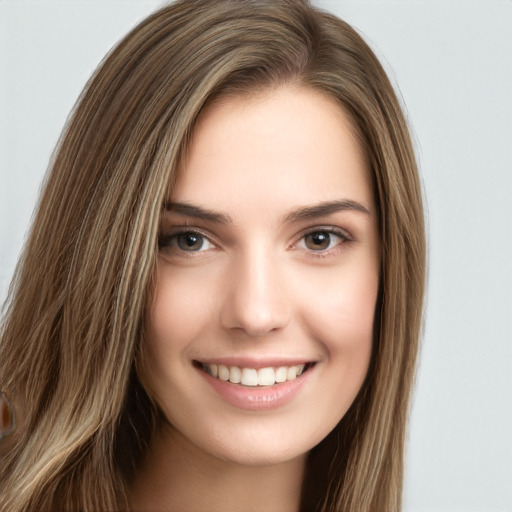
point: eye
(187, 241)
(322, 240)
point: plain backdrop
(452, 61)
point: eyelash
(166, 241)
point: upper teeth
(253, 377)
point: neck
(177, 475)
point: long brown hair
(73, 326)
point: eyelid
(343, 233)
(168, 229)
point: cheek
(341, 318)
(179, 309)
(173, 320)
(341, 305)
(353, 310)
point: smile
(264, 388)
(252, 377)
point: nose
(256, 301)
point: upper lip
(250, 362)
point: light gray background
(453, 63)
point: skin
(274, 279)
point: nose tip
(256, 302)
(257, 319)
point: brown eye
(323, 240)
(189, 241)
(185, 242)
(318, 241)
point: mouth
(254, 377)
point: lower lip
(257, 398)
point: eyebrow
(324, 209)
(297, 215)
(198, 213)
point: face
(259, 332)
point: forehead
(280, 148)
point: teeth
(235, 375)
(266, 377)
(291, 373)
(281, 374)
(223, 372)
(251, 376)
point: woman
(220, 301)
